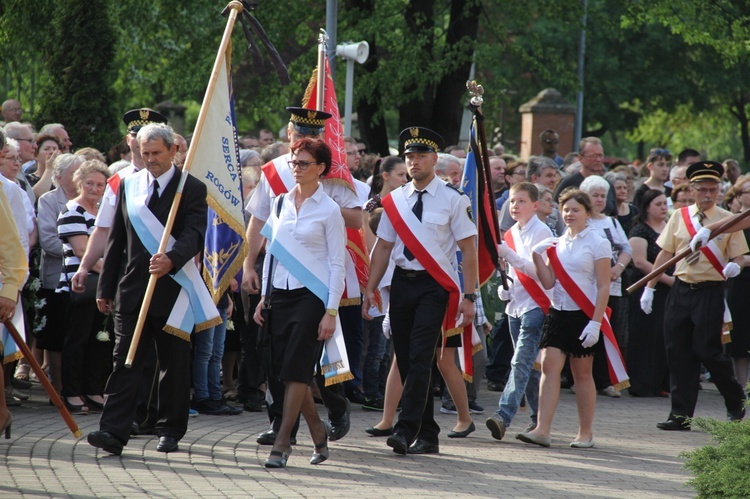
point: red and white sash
(531, 286)
(617, 373)
(714, 255)
(427, 252)
(279, 175)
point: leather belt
(701, 285)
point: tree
(79, 93)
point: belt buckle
(411, 274)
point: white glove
(700, 237)
(503, 293)
(590, 334)
(731, 270)
(502, 250)
(387, 326)
(544, 245)
(647, 299)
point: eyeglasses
(551, 141)
(521, 173)
(30, 141)
(593, 156)
(362, 152)
(302, 165)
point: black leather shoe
(106, 441)
(495, 386)
(268, 437)
(398, 443)
(675, 423)
(377, 432)
(461, 434)
(340, 428)
(736, 416)
(424, 447)
(167, 444)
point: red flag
(334, 134)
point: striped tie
(693, 257)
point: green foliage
(722, 469)
(79, 93)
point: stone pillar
(547, 111)
(175, 113)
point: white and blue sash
(313, 274)
(194, 307)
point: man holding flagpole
(424, 223)
(144, 200)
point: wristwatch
(472, 297)
(332, 312)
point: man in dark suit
(157, 188)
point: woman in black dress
(647, 356)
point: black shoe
(226, 409)
(373, 404)
(355, 396)
(253, 406)
(21, 384)
(461, 434)
(80, 410)
(398, 443)
(377, 432)
(340, 428)
(424, 447)
(93, 404)
(167, 444)
(495, 386)
(675, 423)
(736, 416)
(268, 437)
(106, 441)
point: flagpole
(235, 8)
(475, 106)
(320, 97)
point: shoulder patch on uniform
(470, 213)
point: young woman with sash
(308, 242)
(577, 269)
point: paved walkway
(219, 458)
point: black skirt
(295, 316)
(562, 330)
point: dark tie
(417, 210)
(692, 258)
(154, 197)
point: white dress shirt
(578, 255)
(318, 227)
(445, 217)
(520, 300)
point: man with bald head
(12, 111)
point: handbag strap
(271, 269)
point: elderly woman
(608, 227)
(577, 269)
(51, 204)
(307, 242)
(626, 211)
(10, 168)
(649, 375)
(49, 149)
(86, 357)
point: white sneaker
(610, 392)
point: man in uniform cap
(694, 310)
(302, 123)
(435, 221)
(134, 120)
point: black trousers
(121, 393)
(417, 308)
(692, 333)
(251, 374)
(86, 361)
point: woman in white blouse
(568, 332)
(309, 228)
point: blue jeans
(526, 331)
(208, 351)
(374, 358)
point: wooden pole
(235, 8)
(320, 97)
(725, 225)
(53, 396)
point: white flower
(230, 325)
(102, 336)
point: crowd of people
(575, 234)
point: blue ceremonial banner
(216, 163)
